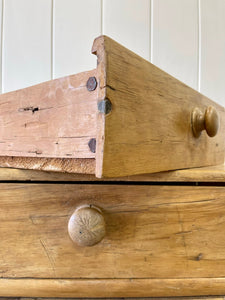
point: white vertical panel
(128, 22)
(76, 24)
(175, 38)
(213, 49)
(26, 43)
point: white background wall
(45, 39)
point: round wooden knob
(86, 226)
(209, 121)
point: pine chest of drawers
(67, 235)
(164, 235)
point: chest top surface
(204, 174)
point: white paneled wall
(212, 51)
(128, 22)
(175, 38)
(44, 39)
(75, 25)
(26, 43)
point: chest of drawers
(69, 235)
(164, 235)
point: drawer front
(152, 233)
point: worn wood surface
(108, 288)
(67, 165)
(171, 298)
(53, 119)
(214, 174)
(151, 231)
(149, 128)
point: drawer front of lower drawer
(151, 231)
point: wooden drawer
(126, 117)
(161, 240)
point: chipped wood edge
(103, 288)
(67, 165)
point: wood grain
(171, 298)
(151, 232)
(110, 288)
(68, 165)
(149, 129)
(214, 174)
(53, 119)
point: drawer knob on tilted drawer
(86, 226)
(209, 121)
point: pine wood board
(60, 167)
(114, 288)
(149, 128)
(214, 174)
(171, 298)
(54, 119)
(162, 241)
(159, 232)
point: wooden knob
(209, 121)
(86, 226)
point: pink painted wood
(53, 119)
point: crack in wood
(48, 256)
(31, 108)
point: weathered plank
(171, 298)
(67, 165)
(214, 174)
(53, 119)
(151, 232)
(107, 288)
(161, 241)
(149, 128)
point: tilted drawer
(126, 117)
(161, 240)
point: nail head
(91, 84)
(92, 145)
(105, 106)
